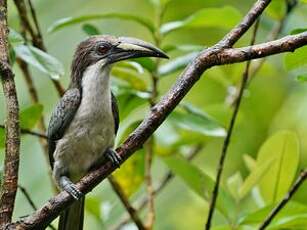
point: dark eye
(102, 49)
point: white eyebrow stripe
(129, 46)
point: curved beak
(133, 48)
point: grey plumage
(84, 123)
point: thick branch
(12, 140)
(208, 58)
(216, 55)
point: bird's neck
(95, 84)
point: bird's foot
(114, 157)
(70, 187)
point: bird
(84, 123)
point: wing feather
(61, 118)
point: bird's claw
(73, 191)
(114, 157)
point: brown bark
(12, 137)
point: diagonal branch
(210, 57)
(236, 33)
(300, 180)
(12, 140)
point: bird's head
(107, 49)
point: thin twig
(31, 202)
(162, 184)
(27, 196)
(36, 36)
(300, 180)
(26, 131)
(120, 193)
(12, 132)
(149, 187)
(226, 143)
(213, 56)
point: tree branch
(26, 131)
(162, 184)
(300, 180)
(12, 140)
(235, 34)
(132, 212)
(213, 56)
(226, 143)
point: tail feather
(72, 217)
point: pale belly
(85, 141)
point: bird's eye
(102, 49)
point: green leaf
(250, 162)
(292, 212)
(69, 21)
(298, 30)
(176, 64)
(131, 77)
(146, 63)
(253, 179)
(283, 149)
(132, 65)
(277, 9)
(296, 59)
(40, 60)
(302, 78)
(185, 48)
(2, 138)
(197, 121)
(234, 184)
(15, 38)
(199, 182)
(159, 3)
(92, 205)
(90, 29)
(226, 17)
(30, 116)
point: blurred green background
(274, 101)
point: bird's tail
(72, 217)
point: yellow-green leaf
(296, 59)
(199, 182)
(40, 60)
(225, 17)
(69, 21)
(283, 149)
(253, 179)
(131, 77)
(277, 9)
(2, 138)
(131, 174)
(30, 116)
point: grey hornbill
(84, 123)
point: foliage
(264, 156)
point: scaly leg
(113, 157)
